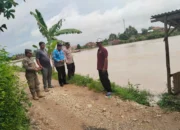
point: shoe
(39, 95)
(61, 85)
(108, 94)
(34, 96)
(66, 83)
(51, 86)
(46, 90)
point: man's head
(59, 46)
(99, 42)
(42, 45)
(28, 52)
(67, 45)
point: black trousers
(61, 74)
(71, 70)
(103, 75)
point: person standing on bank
(43, 60)
(69, 60)
(102, 67)
(59, 60)
(31, 75)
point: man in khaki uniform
(31, 75)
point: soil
(77, 108)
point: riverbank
(73, 107)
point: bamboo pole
(167, 57)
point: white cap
(99, 40)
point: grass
(169, 102)
(130, 92)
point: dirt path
(77, 108)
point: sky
(95, 18)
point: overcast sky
(95, 18)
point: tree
(123, 37)
(112, 37)
(144, 31)
(51, 33)
(130, 31)
(78, 46)
(7, 9)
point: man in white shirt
(69, 60)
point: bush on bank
(169, 102)
(13, 100)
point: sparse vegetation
(129, 92)
(170, 102)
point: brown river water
(140, 63)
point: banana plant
(51, 33)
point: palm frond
(40, 17)
(67, 31)
(55, 27)
(35, 46)
(42, 28)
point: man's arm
(25, 65)
(54, 56)
(37, 59)
(106, 60)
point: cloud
(93, 20)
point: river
(140, 63)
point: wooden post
(167, 57)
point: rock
(77, 106)
(89, 105)
(104, 110)
(64, 94)
(158, 115)
(134, 119)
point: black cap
(28, 51)
(59, 44)
(67, 43)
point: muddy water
(140, 63)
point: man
(31, 76)
(69, 60)
(59, 59)
(43, 60)
(102, 66)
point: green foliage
(169, 102)
(79, 46)
(13, 100)
(7, 9)
(55, 30)
(130, 92)
(144, 31)
(130, 31)
(123, 37)
(112, 37)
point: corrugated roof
(167, 13)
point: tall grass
(129, 92)
(169, 102)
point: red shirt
(101, 56)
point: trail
(77, 108)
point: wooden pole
(167, 57)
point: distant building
(157, 29)
(114, 42)
(90, 45)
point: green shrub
(169, 102)
(13, 100)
